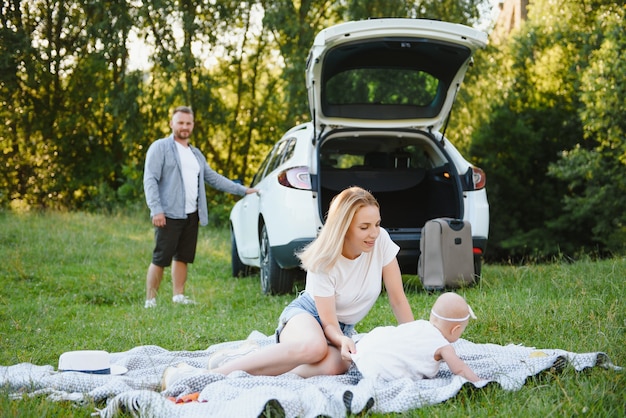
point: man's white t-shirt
(395, 352)
(355, 284)
(191, 171)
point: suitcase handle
(456, 224)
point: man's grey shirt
(163, 181)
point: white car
(380, 92)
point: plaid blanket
(239, 394)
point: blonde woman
(346, 266)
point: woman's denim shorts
(305, 303)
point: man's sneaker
(221, 357)
(183, 300)
(173, 374)
(150, 303)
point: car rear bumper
(285, 255)
(409, 243)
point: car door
(249, 245)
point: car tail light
(296, 178)
(479, 178)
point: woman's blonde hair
(321, 255)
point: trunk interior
(409, 176)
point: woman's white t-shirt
(395, 352)
(355, 284)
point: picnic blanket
(239, 394)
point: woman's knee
(312, 351)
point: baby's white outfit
(394, 352)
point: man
(175, 194)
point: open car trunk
(409, 175)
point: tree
(542, 114)
(294, 26)
(595, 171)
(64, 83)
(530, 113)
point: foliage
(541, 113)
(535, 129)
(77, 281)
(78, 121)
(594, 171)
(465, 12)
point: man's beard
(183, 134)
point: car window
(270, 161)
(281, 152)
(391, 78)
(289, 150)
(412, 156)
(383, 86)
(277, 156)
(260, 174)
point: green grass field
(77, 281)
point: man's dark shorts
(176, 240)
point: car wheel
(239, 269)
(274, 279)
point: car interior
(410, 185)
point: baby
(415, 349)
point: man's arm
(151, 177)
(216, 180)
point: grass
(77, 281)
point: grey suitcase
(446, 258)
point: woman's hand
(348, 347)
